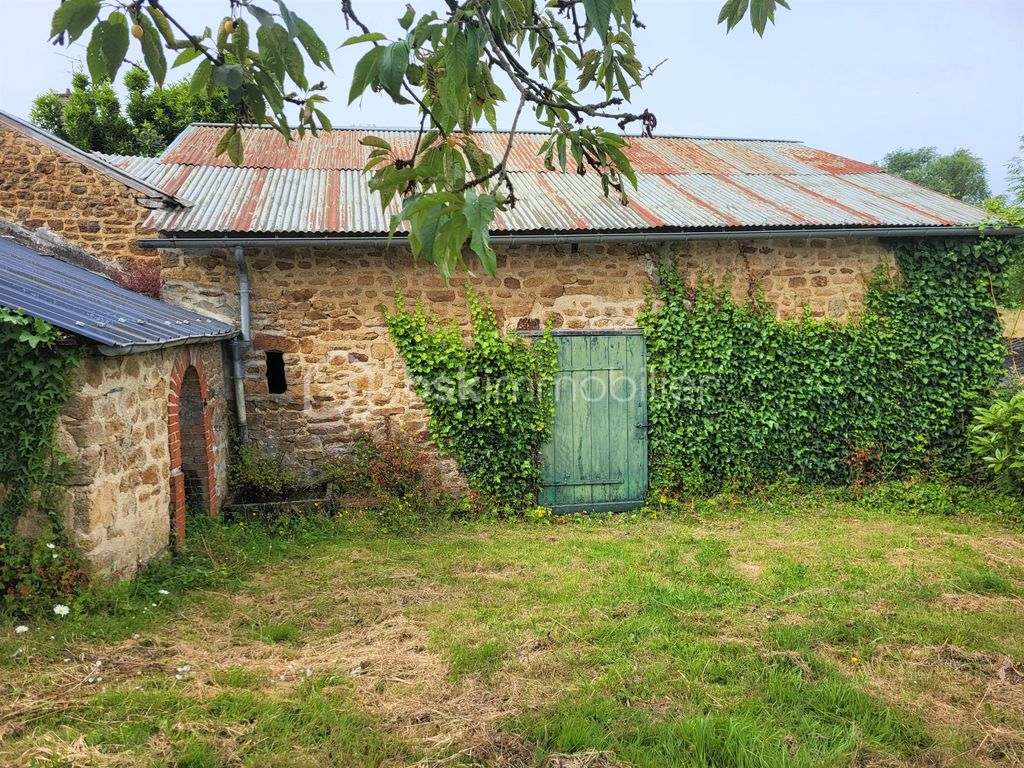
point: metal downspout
(240, 346)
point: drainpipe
(240, 346)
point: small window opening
(574, 247)
(276, 381)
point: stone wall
(115, 429)
(43, 188)
(321, 309)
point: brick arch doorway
(190, 439)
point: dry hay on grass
(384, 656)
(998, 665)
(971, 602)
(588, 759)
(76, 753)
(977, 695)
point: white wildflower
(98, 663)
(51, 546)
(21, 629)
(163, 592)
(61, 610)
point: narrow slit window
(276, 381)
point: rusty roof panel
(923, 199)
(315, 186)
(790, 194)
(733, 200)
(748, 157)
(891, 210)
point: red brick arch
(190, 437)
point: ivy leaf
(74, 17)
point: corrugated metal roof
(88, 305)
(315, 186)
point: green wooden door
(597, 457)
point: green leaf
(407, 18)
(153, 50)
(200, 78)
(365, 72)
(479, 213)
(187, 55)
(295, 64)
(235, 148)
(369, 37)
(230, 76)
(392, 66)
(374, 141)
(599, 15)
(73, 17)
(314, 46)
(269, 41)
(107, 48)
(325, 122)
(231, 142)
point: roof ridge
(527, 131)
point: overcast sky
(855, 77)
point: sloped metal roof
(315, 186)
(88, 305)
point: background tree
(572, 62)
(1010, 208)
(91, 117)
(960, 174)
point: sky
(855, 77)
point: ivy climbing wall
(740, 396)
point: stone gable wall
(42, 188)
(115, 429)
(321, 309)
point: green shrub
(997, 436)
(36, 575)
(490, 403)
(740, 397)
(399, 473)
(350, 472)
(256, 475)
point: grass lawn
(805, 629)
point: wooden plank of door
(637, 371)
(582, 420)
(599, 432)
(563, 428)
(618, 421)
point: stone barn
(292, 247)
(148, 424)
